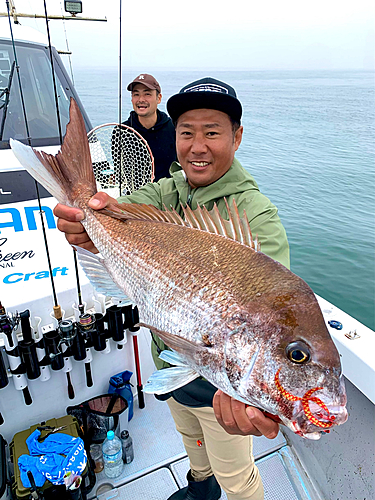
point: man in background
(154, 125)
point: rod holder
(115, 323)
(98, 335)
(4, 380)
(79, 349)
(53, 351)
(29, 357)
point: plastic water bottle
(112, 455)
(127, 447)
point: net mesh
(121, 158)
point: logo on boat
(17, 277)
(11, 217)
(8, 259)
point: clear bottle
(127, 447)
(97, 455)
(112, 455)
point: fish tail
(69, 174)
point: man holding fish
(207, 117)
(221, 311)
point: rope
(305, 404)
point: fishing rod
(57, 308)
(68, 52)
(141, 401)
(6, 91)
(82, 341)
(134, 331)
(78, 285)
(120, 90)
(28, 345)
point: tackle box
(19, 447)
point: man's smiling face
(206, 145)
(145, 101)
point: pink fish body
(234, 315)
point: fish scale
(133, 275)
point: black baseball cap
(206, 93)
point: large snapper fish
(228, 312)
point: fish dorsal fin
(236, 228)
(141, 211)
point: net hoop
(122, 159)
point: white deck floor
(160, 463)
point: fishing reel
(68, 329)
(64, 334)
(86, 323)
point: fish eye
(298, 352)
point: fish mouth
(311, 416)
(319, 422)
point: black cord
(53, 75)
(29, 141)
(79, 293)
(120, 96)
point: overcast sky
(273, 34)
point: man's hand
(235, 418)
(69, 221)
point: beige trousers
(229, 457)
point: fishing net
(99, 415)
(121, 158)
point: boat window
(37, 118)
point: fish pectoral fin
(169, 379)
(173, 358)
(98, 273)
(177, 343)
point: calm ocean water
(309, 142)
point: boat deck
(160, 463)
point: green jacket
(236, 184)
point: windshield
(38, 94)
